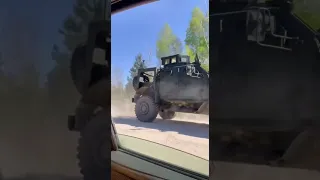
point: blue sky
(136, 30)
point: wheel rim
(144, 108)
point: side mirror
(161, 66)
(256, 25)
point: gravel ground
(182, 133)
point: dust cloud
(33, 143)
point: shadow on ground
(188, 128)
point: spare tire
(78, 68)
(136, 83)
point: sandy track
(191, 136)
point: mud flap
(204, 108)
(303, 151)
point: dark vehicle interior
(264, 84)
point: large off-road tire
(146, 109)
(78, 69)
(167, 115)
(94, 148)
(135, 83)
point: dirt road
(185, 135)
(186, 132)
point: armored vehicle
(177, 86)
(265, 82)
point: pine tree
(138, 64)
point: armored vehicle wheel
(146, 110)
(92, 147)
(167, 115)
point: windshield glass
(36, 91)
(133, 111)
(184, 59)
(308, 11)
(165, 153)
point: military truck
(265, 82)
(177, 86)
